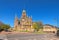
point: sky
(40, 10)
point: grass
(40, 32)
(23, 31)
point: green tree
(40, 25)
(5, 27)
(37, 26)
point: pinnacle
(24, 11)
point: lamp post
(57, 23)
(57, 20)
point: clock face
(23, 19)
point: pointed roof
(30, 17)
(24, 10)
(16, 16)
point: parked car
(7, 30)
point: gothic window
(23, 20)
(18, 23)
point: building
(49, 28)
(24, 24)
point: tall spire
(24, 5)
(23, 14)
(16, 21)
(16, 15)
(30, 17)
(16, 18)
(24, 11)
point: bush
(1, 29)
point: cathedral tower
(25, 22)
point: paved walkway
(26, 36)
(32, 37)
(3, 37)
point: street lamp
(57, 21)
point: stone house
(49, 28)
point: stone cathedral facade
(24, 23)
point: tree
(40, 25)
(4, 27)
(37, 26)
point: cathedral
(24, 23)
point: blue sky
(40, 10)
